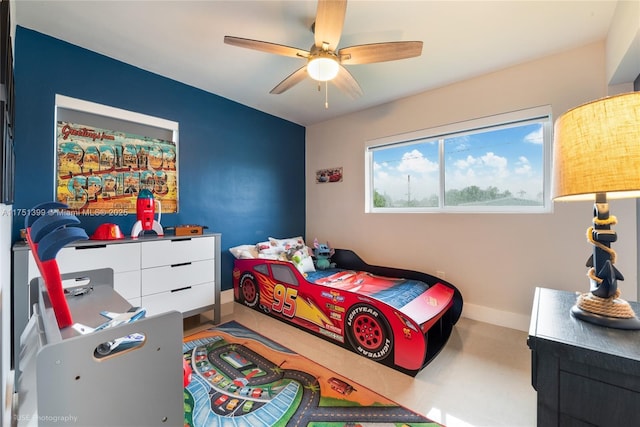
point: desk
(63, 380)
(158, 273)
(585, 375)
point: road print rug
(243, 379)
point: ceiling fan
(324, 60)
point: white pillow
(289, 243)
(267, 248)
(306, 265)
(244, 251)
(294, 249)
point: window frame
(493, 122)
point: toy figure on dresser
(322, 254)
(145, 214)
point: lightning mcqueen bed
(397, 317)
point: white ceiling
(183, 40)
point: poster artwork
(329, 175)
(101, 172)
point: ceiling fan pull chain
(326, 95)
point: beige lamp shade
(596, 149)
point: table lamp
(596, 155)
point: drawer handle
(186, 239)
(180, 264)
(90, 247)
(180, 289)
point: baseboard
(226, 301)
(470, 311)
(226, 296)
(496, 317)
(8, 410)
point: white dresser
(179, 274)
(157, 273)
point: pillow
(294, 249)
(266, 248)
(287, 244)
(306, 265)
(244, 251)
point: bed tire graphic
(249, 292)
(368, 332)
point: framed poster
(329, 175)
(102, 171)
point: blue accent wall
(241, 171)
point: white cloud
(495, 162)
(382, 175)
(414, 161)
(535, 137)
(523, 167)
(489, 160)
(415, 175)
(465, 163)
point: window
(494, 164)
(283, 274)
(262, 268)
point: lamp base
(629, 323)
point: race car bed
(397, 317)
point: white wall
(623, 44)
(496, 260)
(5, 312)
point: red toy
(400, 318)
(107, 231)
(187, 372)
(145, 213)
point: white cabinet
(176, 251)
(178, 274)
(157, 273)
(123, 259)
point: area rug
(243, 379)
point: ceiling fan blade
(278, 49)
(379, 52)
(347, 84)
(291, 80)
(329, 22)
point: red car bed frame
(405, 338)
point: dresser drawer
(119, 257)
(620, 408)
(170, 277)
(127, 284)
(182, 300)
(178, 251)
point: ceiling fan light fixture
(323, 68)
(324, 61)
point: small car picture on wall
(329, 175)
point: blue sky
(509, 159)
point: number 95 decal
(284, 300)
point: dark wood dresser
(585, 375)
